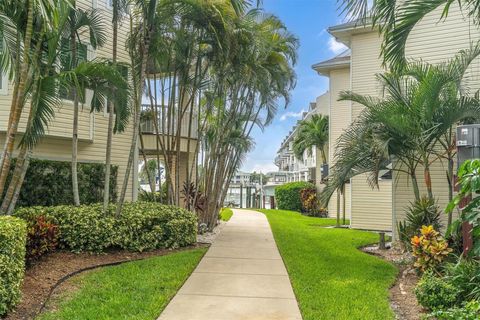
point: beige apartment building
(57, 143)
(310, 167)
(433, 40)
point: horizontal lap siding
(339, 121)
(371, 208)
(92, 127)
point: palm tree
(47, 75)
(312, 133)
(142, 25)
(18, 20)
(119, 8)
(77, 20)
(403, 130)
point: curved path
(241, 277)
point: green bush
(49, 183)
(288, 196)
(141, 226)
(465, 276)
(13, 237)
(470, 311)
(435, 293)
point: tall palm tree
(312, 133)
(403, 130)
(18, 20)
(48, 74)
(142, 25)
(79, 20)
(119, 8)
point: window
(67, 64)
(109, 4)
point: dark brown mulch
(402, 296)
(51, 270)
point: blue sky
(308, 20)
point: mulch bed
(51, 270)
(402, 296)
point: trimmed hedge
(288, 196)
(13, 234)
(53, 178)
(141, 226)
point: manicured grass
(331, 278)
(226, 214)
(133, 290)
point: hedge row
(53, 178)
(141, 226)
(12, 260)
(288, 195)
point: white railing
(148, 125)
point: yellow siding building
(433, 40)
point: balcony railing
(147, 124)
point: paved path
(241, 277)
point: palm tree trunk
(338, 208)
(144, 47)
(17, 178)
(111, 108)
(76, 195)
(416, 190)
(17, 101)
(18, 187)
(428, 178)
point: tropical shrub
(141, 226)
(430, 249)
(49, 183)
(288, 195)
(42, 238)
(310, 204)
(469, 181)
(465, 276)
(469, 311)
(423, 212)
(13, 237)
(435, 293)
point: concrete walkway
(241, 277)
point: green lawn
(226, 214)
(133, 290)
(331, 278)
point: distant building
(308, 169)
(240, 177)
(240, 190)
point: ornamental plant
(42, 238)
(310, 204)
(430, 249)
(288, 195)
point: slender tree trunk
(145, 160)
(17, 101)
(144, 47)
(344, 207)
(17, 179)
(416, 190)
(450, 186)
(18, 187)
(428, 179)
(76, 195)
(111, 108)
(338, 208)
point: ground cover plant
(133, 290)
(331, 278)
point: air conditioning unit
(468, 142)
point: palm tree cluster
(211, 71)
(41, 54)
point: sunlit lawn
(331, 278)
(133, 290)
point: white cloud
(290, 114)
(335, 46)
